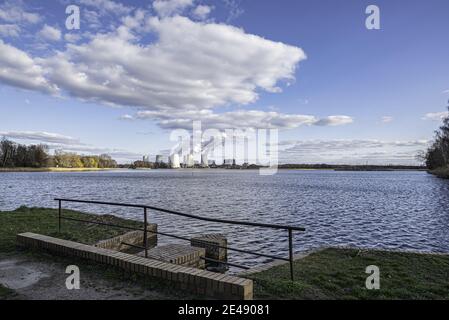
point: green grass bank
(326, 274)
(441, 173)
(340, 274)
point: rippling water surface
(400, 210)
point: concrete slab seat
(197, 281)
(179, 254)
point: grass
(441, 173)
(44, 221)
(340, 274)
(51, 169)
(6, 293)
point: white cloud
(15, 13)
(240, 119)
(165, 8)
(18, 69)
(191, 69)
(191, 66)
(387, 119)
(351, 151)
(234, 8)
(43, 137)
(50, 33)
(72, 37)
(126, 117)
(107, 6)
(202, 12)
(436, 116)
(9, 30)
(335, 121)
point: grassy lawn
(44, 221)
(340, 274)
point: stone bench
(179, 254)
(198, 281)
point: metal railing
(145, 208)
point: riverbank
(440, 173)
(53, 169)
(335, 273)
(326, 274)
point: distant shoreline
(54, 169)
(349, 169)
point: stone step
(179, 254)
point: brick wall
(198, 281)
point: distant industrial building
(159, 159)
(189, 162)
(204, 161)
(174, 161)
(212, 164)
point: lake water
(398, 210)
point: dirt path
(44, 279)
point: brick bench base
(200, 282)
(179, 254)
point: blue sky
(136, 70)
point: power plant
(174, 161)
(189, 161)
(159, 159)
(204, 160)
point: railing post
(59, 217)
(290, 249)
(145, 234)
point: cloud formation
(334, 121)
(202, 12)
(387, 119)
(9, 30)
(42, 137)
(436, 116)
(18, 69)
(184, 74)
(107, 6)
(50, 33)
(355, 151)
(191, 67)
(165, 8)
(13, 12)
(239, 119)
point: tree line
(437, 155)
(14, 155)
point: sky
(134, 71)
